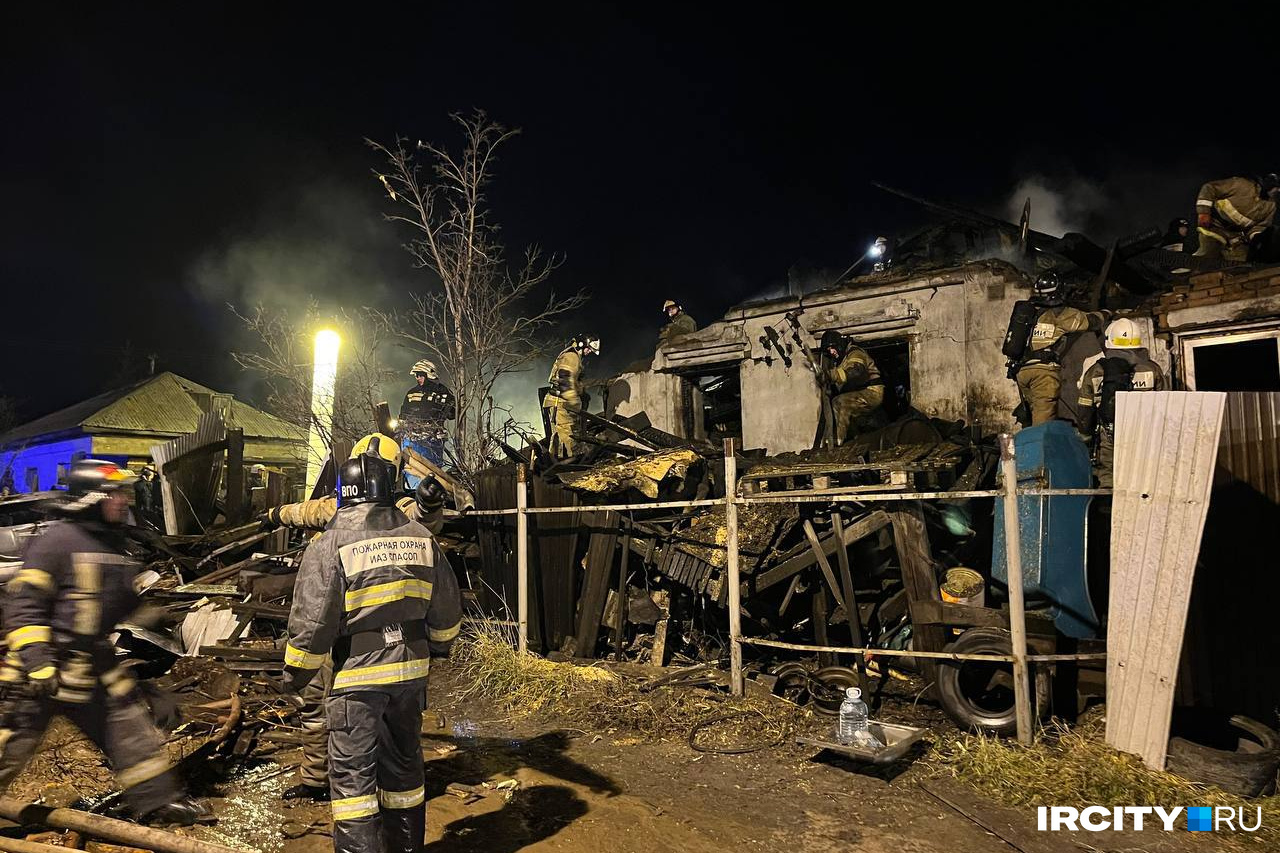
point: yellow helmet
(669, 304)
(386, 447)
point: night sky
(156, 165)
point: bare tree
(486, 318)
(284, 356)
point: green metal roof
(164, 404)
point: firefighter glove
(44, 681)
(429, 494)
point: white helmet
(1123, 334)
(427, 368)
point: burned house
(936, 336)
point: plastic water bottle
(852, 728)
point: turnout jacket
(681, 324)
(430, 403)
(1053, 324)
(75, 584)
(375, 592)
(1237, 204)
(856, 371)
(565, 379)
(316, 514)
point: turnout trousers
(314, 767)
(375, 769)
(120, 726)
(849, 409)
(563, 417)
(1040, 385)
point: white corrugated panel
(1166, 448)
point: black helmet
(90, 481)
(1270, 182)
(367, 478)
(831, 339)
(1048, 285)
(87, 476)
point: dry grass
(1075, 767)
(522, 684)
(591, 696)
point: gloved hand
(429, 494)
(1203, 218)
(44, 681)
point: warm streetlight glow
(323, 380)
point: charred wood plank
(595, 587)
(802, 556)
(821, 558)
(915, 557)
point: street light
(323, 379)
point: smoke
(1058, 205)
(327, 243)
(1126, 198)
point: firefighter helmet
(86, 476)
(831, 339)
(90, 481)
(669, 304)
(380, 444)
(1123, 334)
(589, 343)
(1270, 183)
(367, 477)
(1048, 284)
(424, 367)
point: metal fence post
(1017, 607)
(735, 574)
(522, 557)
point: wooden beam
(801, 557)
(237, 500)
(850, 597)
(820, 555)
(595, 586)
(915, 557)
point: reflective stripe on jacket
(373, 573)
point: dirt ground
(590, 791)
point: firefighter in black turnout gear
(424, 411)
(75, 584)
(377, 595)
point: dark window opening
(893, 359)
(721, 403)
(1244, 366)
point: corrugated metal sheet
(1166, 449)
(189, 490)
(1231, 656)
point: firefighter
(1037, 333)
(76, 583)
(854, 383)
(564, 401)
(142, 507)
(678, 323)
(426, 408)
(1125, 366)
(375, 594)
(1232, 212)
(425, 507)
(1177, 236)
